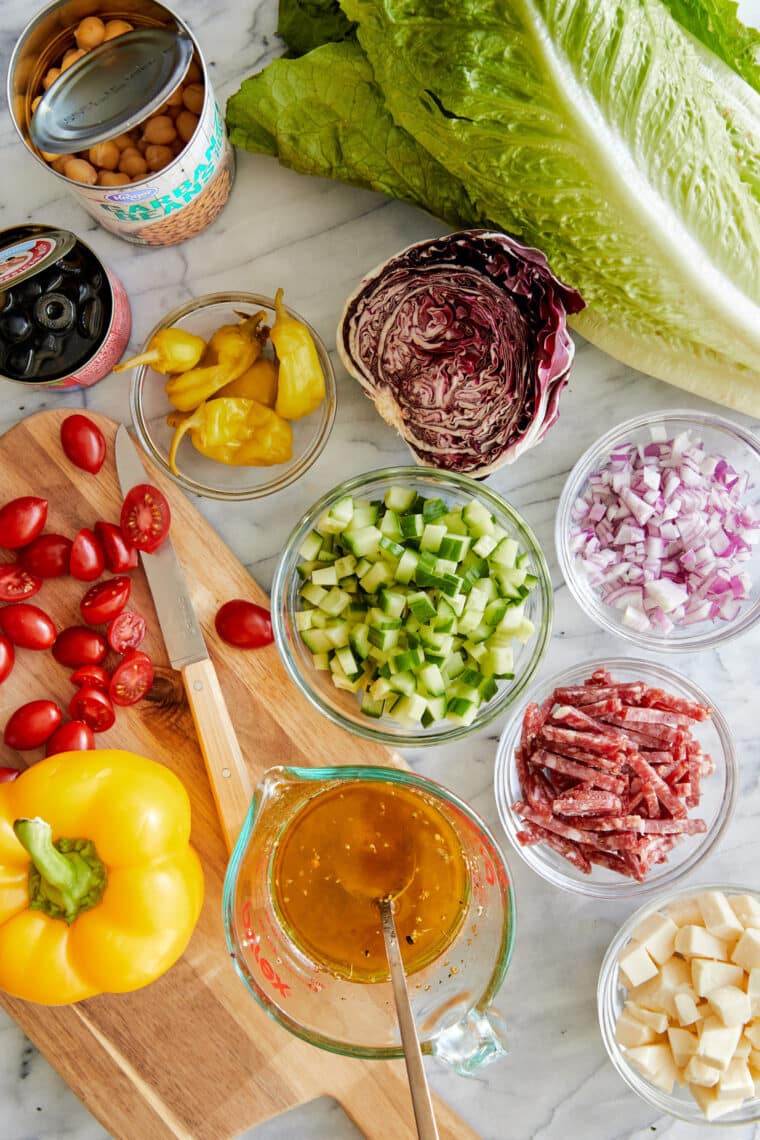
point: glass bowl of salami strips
(679, 1003)
(411, 606)
(615, 778)
(658, 531)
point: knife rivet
(226, 773)
(197, 685)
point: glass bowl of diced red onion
(614, 779)
(658, 530)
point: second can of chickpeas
(157, 180)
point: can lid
(24, 257)
(111, 89)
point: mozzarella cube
(657, 1021)
(708, 975)
(717, 1042)
(698, 1072)
(685, 912)
(752, 1033)
(696, 942)
(629, 1032)
(747, 909)
(683, 1045)
(736, 1081)
(657, 933)
(719, 917)
(635, 964)
(655, 1062)
(754, 1063)
(686, 1008)
(743, 1049)
(747, 950)
(753, 990)
(731, 1005)
(707, 1099)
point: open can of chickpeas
(113, 97)
(64, 316)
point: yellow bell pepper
(99, 888)
(230, 351)
(259, 382)
(242, 433)
(301, 381)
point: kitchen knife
(187, 651)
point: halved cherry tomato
(31, 724)
(120, 554)
(145, 517)
(83, 443)
(47, 556)
(73, 736)
(93, 707)
(87, 560)
(105, 600)
(91, 676)
(79, 645)
(126, 631)
(27, 626)
(132, 678)
(9, 774)
(7, 657)
(244, 624)
(22, 520)
(17, 583)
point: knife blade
(188, 653)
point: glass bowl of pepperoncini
(318, 848)
(233, 395)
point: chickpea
(90, 32)
(175, 99)
(105, 155)
(71, 57)
(79, 170)
(186, 124)
(51, 77)
(112, 178)
(192, 97)
(116, 28)
(193, 73)
(124, 141)
(157, 157)
(159, 129)
(142, 145)
(132, 163)
(59, 162)
(35, 103)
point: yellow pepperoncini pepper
(259, 382)
(99, 888)
(301, 381)
(230, 351)
(169, 350)
(242, 433)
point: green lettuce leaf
(305, 24)
(716, 24)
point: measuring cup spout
(477, 1040)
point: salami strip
(658, 698)
(587, 741)
(584, 772)
(585, 801)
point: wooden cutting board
(191, 1055)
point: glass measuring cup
(451, 996)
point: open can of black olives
(64, 316)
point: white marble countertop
(316, 238)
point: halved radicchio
(462, 343)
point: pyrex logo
(253, 940)
(137, 195)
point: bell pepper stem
(65, 877)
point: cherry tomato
(7, 657)
(91, 676)
(17, 583)
(87, 560)
(22, 520)
(145, 517)
(120, 554)
(79, 645)
(105, 600)
(93, 707)
(83, 443)
(27, 626)
(73, 736)
(47, 556)
(31, 724)
(9, 774)
(126, 631)
(132, 678)
(244, 624)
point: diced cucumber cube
(378, 575)
(358, 639)
(371, 706)
(497, 661)
(512, 620)
(433, 509)
(470, 620)
(436, 710)
(365, 513)
(390, 526)
(392, 602)
(432, 537)
(454, 522)
(432, 678)
(412, 526)
(453, 665)
(314, 594)
(525, 630)
(478, 518)
(420, 605)
(384, 639)
(484, 545)
(364, 542)
(454, 546)
(389, 548)
(406, 660)
(345, 566)
(403, 682)
(505, 553)
(337, 635)
(317, 641)
(407, 566)
(380, 688)
(334, 601)
(321, 661)
(462, 710)
(399, 499)
(409, 709)
(304, 619)
(311, 546)
(326, 576)
(495, 611)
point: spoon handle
(415, 1071)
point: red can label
(111, 347)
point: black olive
(6, 301)
(55, 311)
(29, 289)
(73, 262)
(84, 292)
(15, 327)
(22, 363)
(96, 281)
(52, 279)
(91, 318)
(52, 346)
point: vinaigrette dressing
(354, 844)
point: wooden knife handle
(226, 768)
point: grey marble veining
(315, 239)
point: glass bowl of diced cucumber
(412, 606)
(679, 1003)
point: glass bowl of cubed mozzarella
(679, 1003)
